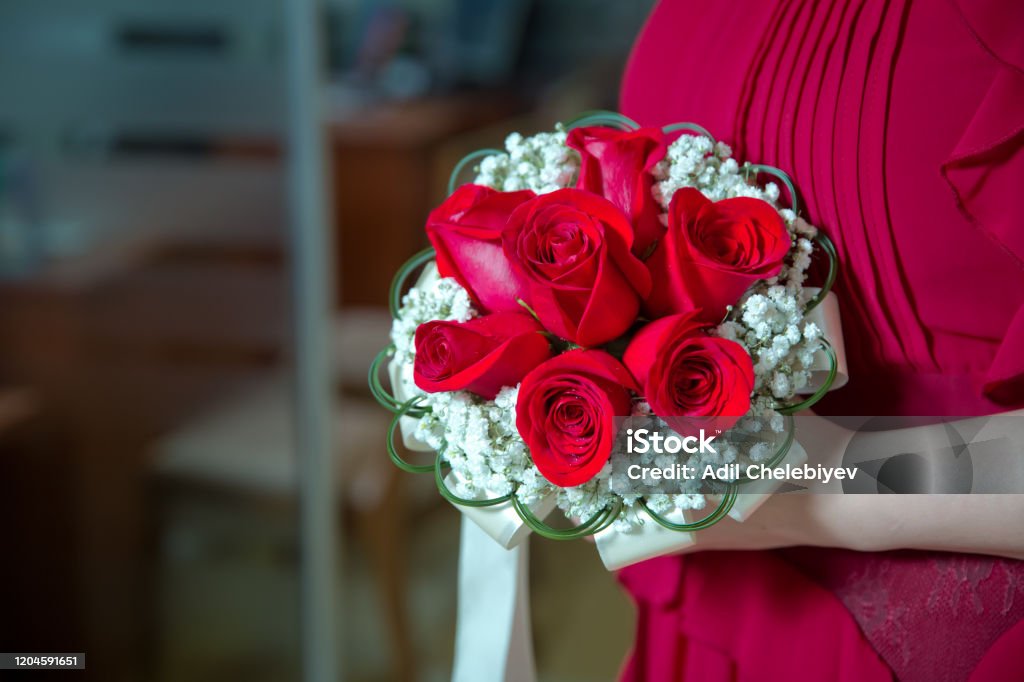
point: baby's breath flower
(541, 162)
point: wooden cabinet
(386, 181)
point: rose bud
(617, 165)
(684, 373)
(482, 355)
(565, 413)
(712, 253)
(465, 231)
(570, 251)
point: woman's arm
(981, 524)
(977, 523)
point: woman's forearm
(982, 524)
(977, 523)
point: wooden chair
(241, 451)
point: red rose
(570, 250)
(686, 373)
(617, 165)
(566, 410)
(482, 355)
(466, 232)
(712, 253)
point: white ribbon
(493, 637)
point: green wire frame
(447, 494)
(600, 117)
(380, 394)
(690, 127)
(398, 283)
(833, 269)
(595, 524)
(783, 450)
(401, 277)
(591, 526)
(810, 401)
(403, 411)
(728, 500)
(453, 179)
(781, 176)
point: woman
(901, 123)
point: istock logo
(642, 441)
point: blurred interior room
(147, 443)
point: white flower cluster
(479, 439)
(687, 494)
(541, 162)
(769, 323)
(696, 161)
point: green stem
(527, 308)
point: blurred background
(147, 459)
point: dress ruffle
(987, 166)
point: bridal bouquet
(588, 282)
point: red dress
(902, 123)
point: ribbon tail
(493, 639)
